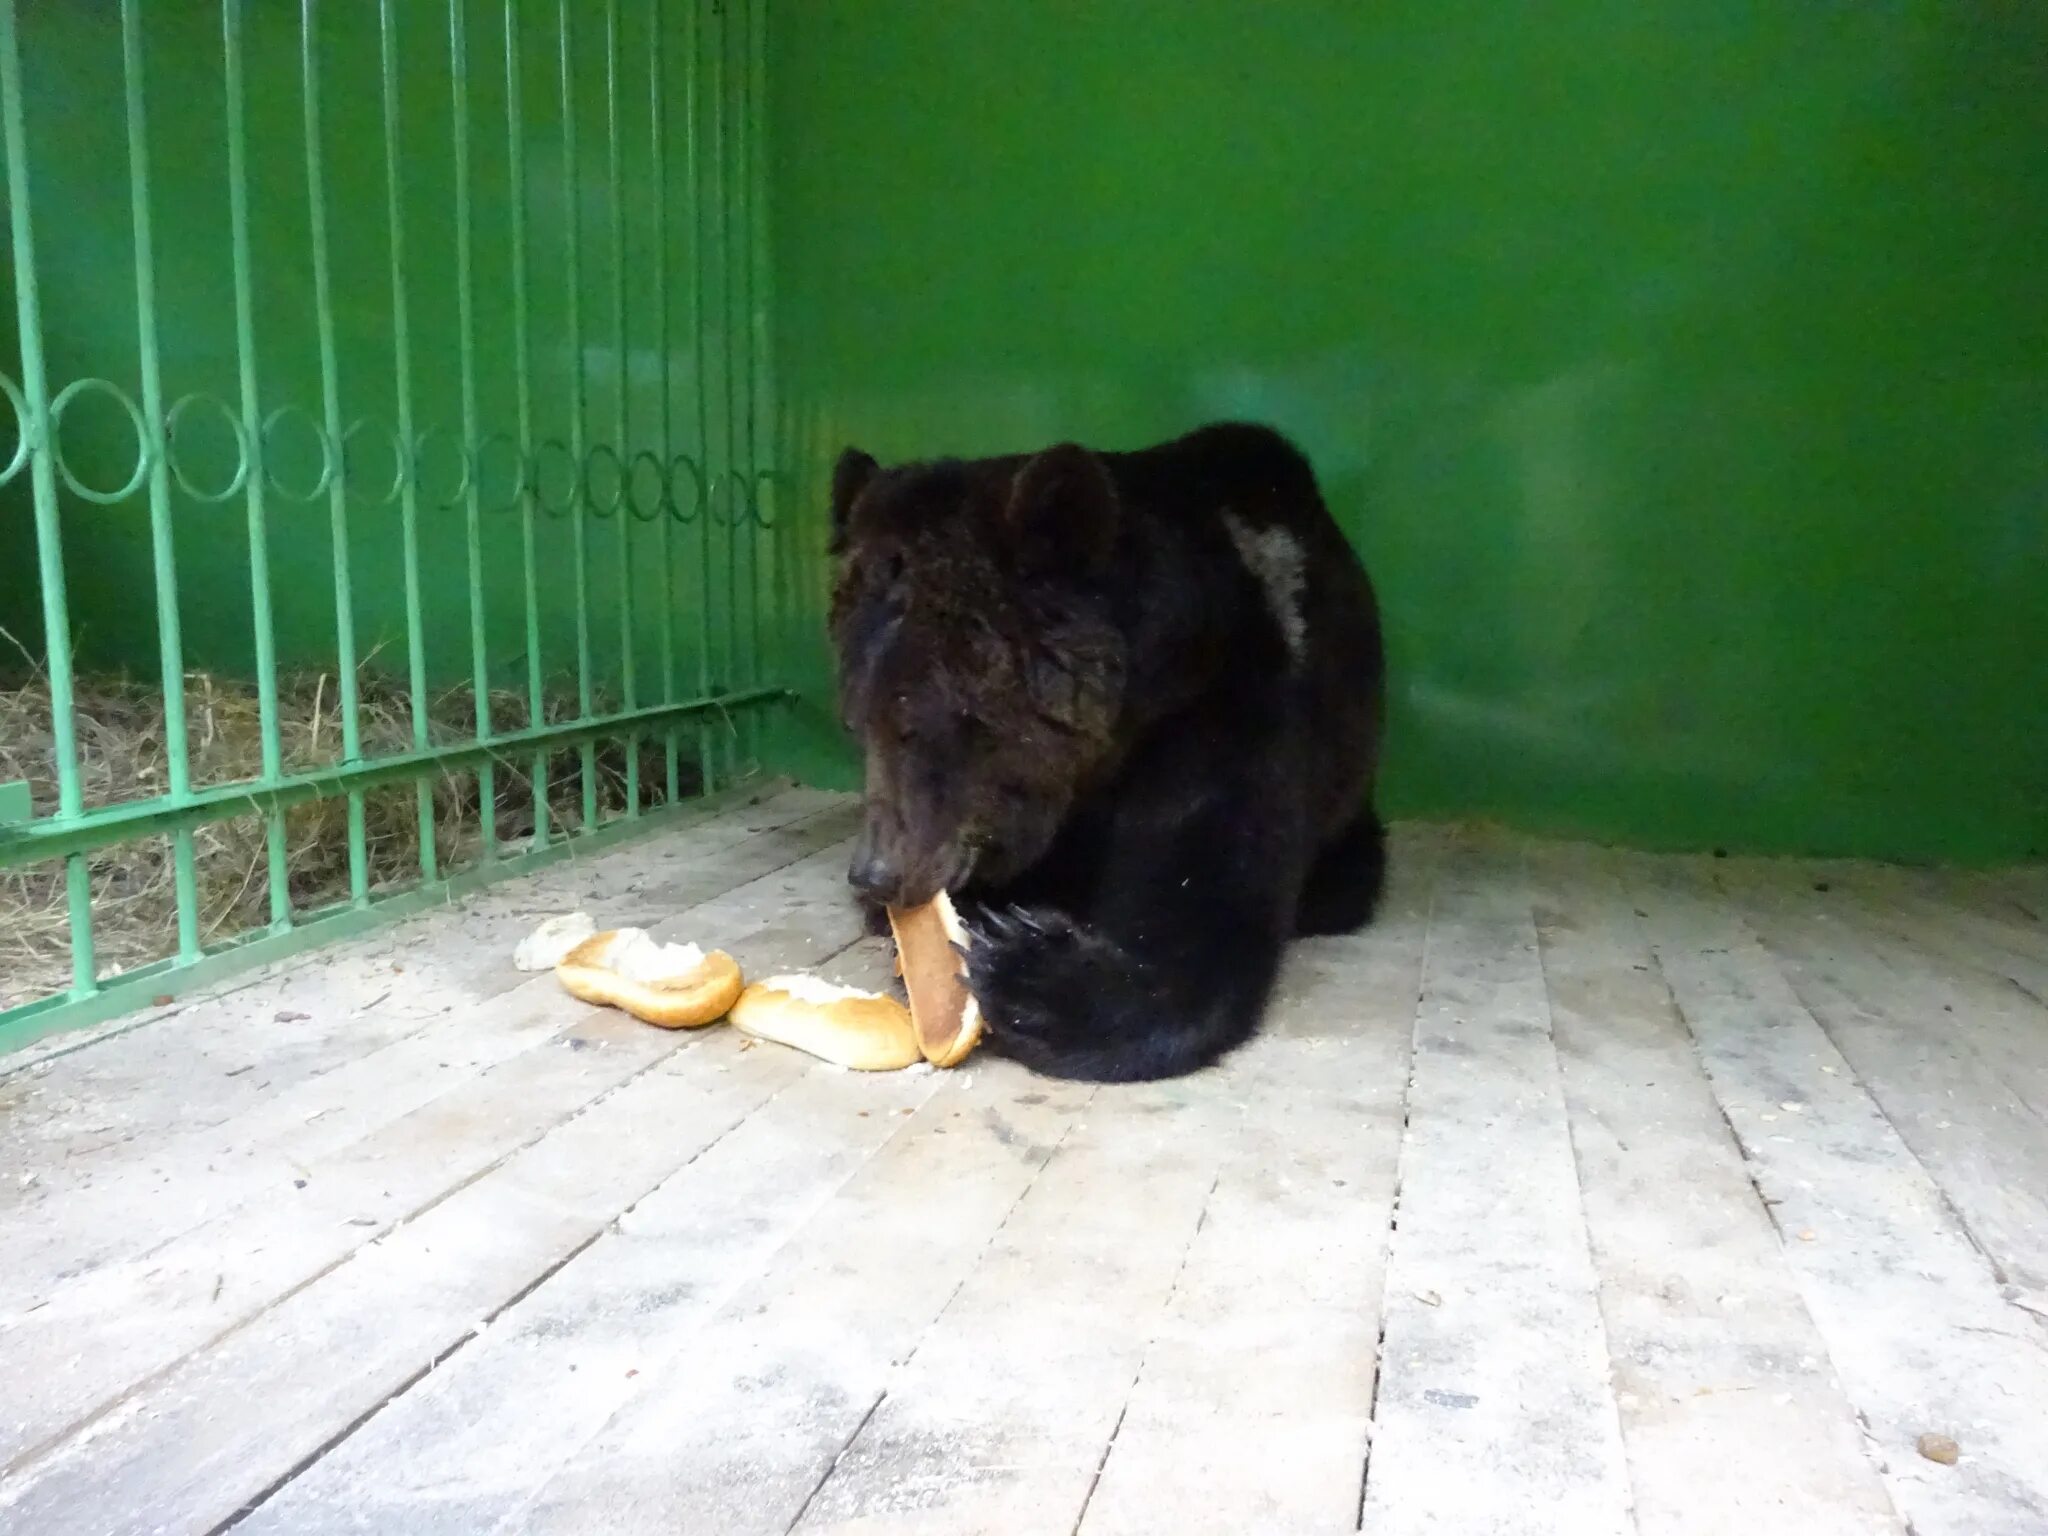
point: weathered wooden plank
(73, 1117)
(1730, 1413)
(1957, 1062)
(1004, 1410)
(222, 1426)
(145, 1314)
(170, 1185)
(466, 1447)
(1950, 933)
(1252, 1405)
(1988, 1010)
(735, 1435)
(1920, 1337)
(1494, 1411)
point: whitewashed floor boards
(1585, 1193)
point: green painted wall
(1681, 369)
(85, 254)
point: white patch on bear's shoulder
(1275, 559)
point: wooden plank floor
(1584, 1193)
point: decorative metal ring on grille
(761, 478)
(329, 458)
(419, 456)
(399, 468)
(145, 455)
(568, 503)
(22, 444)
(511, 446)
(175, 415)
(723, 482)
(618, 496)
(699, 492)
(661, 497)
(744, 491)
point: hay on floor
(123, 755)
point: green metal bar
(408, 506)
(760, 270)
(721, 205)
(657, 155)
(279, 871)
(614, 143)
(56, 837)
(472, 511)
(745, 140)
(23, 1026)
(35, 427)
(162, 546)
(330, 400)
(694, 185)
(522, 350)
(572, 193)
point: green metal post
(472, 511)
(330, 400)
(163, 548)
(693, 182)
(572, 192)
(657, 147)
(279, 871)
(721, 212)
(759, 275)
(408, 514)
(515, 132)
(614, 149)
(744, 218)
(35, 390)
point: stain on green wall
(1680, 370)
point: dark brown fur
(1079, 709)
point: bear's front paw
(1047, 986)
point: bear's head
(979, 667)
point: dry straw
(123, 755)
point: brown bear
(1127, 709)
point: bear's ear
(1063, 511)
(850, 476)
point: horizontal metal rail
(60, 836)
(147, 991)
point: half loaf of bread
(677, 986)
(945, 1014)
(844, 1025)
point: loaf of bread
(677, 986)
(844, 1025)
(930, 945)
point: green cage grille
(422, 341)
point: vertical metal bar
(572, 193)
(35, 390)
(162, 545)
(721, 207)
(694, 191)
(614, 153)
(472, 510)
(763, 398)
(744, 135)
(762, 267)
(515, 137)
(330, 400)
(408, 514)
(657, 134)
(252, 434)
